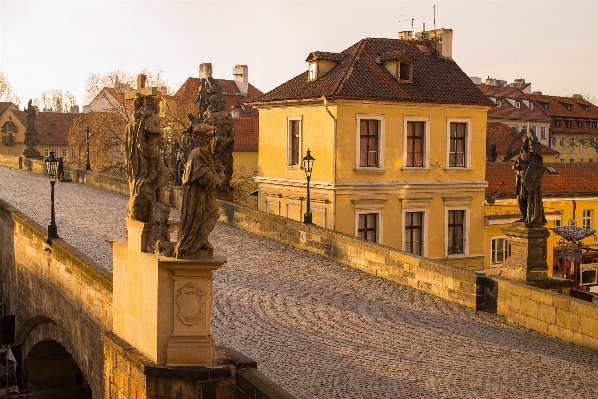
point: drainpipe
(333, 163)
(574, 207)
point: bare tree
(56, 100)
(6, 91)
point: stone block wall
(443, 280)
(557, 315)
(104, 182)
(56, 292)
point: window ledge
(293, 167)
(406, 168)
(458, 168)
(452, 256)
(369, 169)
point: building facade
(393, 125)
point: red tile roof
(570, 179)
(361, 75)
(247, 130)
(508, 110)
(4, 106)
(557, 107)
(52, 127)
(501, 135)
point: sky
(47, 45)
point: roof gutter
(334, 127)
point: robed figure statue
(199, 212)
(530, 169)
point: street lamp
(87, 131)
(308, 163)
(52, 168)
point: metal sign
(571, 254)
(572, 232)
(589, 274)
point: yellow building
(569, 191)
(398, 133)
(51, 127)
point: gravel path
(323, 330)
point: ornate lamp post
(52, 168)
(87, 131)
(308, 163)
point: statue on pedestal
(199, 212)
(31, 140)
(530, 169)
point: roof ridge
(349, 67)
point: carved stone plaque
(191, 304)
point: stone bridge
(316, 328)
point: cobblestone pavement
(323, 330)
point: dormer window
(568, 123)
(579, 124)
(585, 107)
(517, 104)
(531, 106)
(313, 71)
(557, 123)
(498, 103)
(321, 62)
(567, 106)
(399, 64)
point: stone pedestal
(528, 253)
(163, 306)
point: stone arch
(40, 337)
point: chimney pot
(205, 70)
(241, 74)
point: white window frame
(73, 153)
(312, 71)
(587, 219)
(366, 206)
(416, 205)
(426, 161)
(542, 132)
(64, 152)
(457, 204)
(46, 152)
(517, 104)
(468, 151)
(493, 263)
(498, 103)
(531, 105)
(289, 131)
(381, 119)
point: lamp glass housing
(308, 163)
(52, 166)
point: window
(531, 106)
(571, 160)
(499, 251)
(517, 104)
(73, 153)
(585, 107)
(571, 142)
(294, 141)
(580, 159)
(587, 221)
(545, 105)
(64, 152)
(456, 226)
(313, 71)
(415, 144)
(590, 160)
(562, 142)
(554, 141)
(579, 124)
(543, 132)
(558, 222)
(557, 123)
(46, 152)
(56, 153)
(367, 227)
(414, 232)
(568, 123)
(370, 141)
(457, 149)
(562, 160)
(568, 107)
(405, 71)
(498, 103)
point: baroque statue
(147, 174)
(31, 140)
(199, 212)
(530, 169)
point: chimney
(537, 92)
(75, 109)
(576, 96)
(477, 81)
(141, 81)
(241, 78)
(406, 35)
(205, 70)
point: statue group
(200, 162)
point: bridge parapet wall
(443, 280)
(55, 291)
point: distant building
(397, 130)
(503, 143)
(52, 132)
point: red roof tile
(361, 75)
(508, 110)
(570, 179)
(247, 130)
(501, 135)
(557, 107)
(52, 127)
